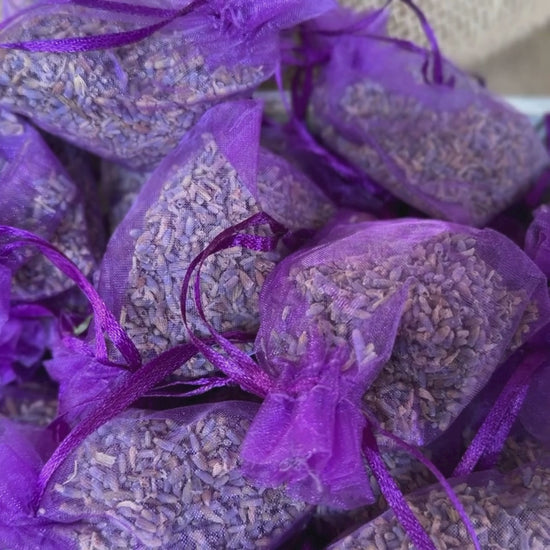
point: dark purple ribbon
(437, 71)
(360, 28)
(297, 128)
(492, 434)
(12, 238)
(393, 494)
(237, 365)
(105, 41)
(413, 451)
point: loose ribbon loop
(437, 69)
(237, 365)
(12, 238)
(360, 27)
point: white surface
(533, 106)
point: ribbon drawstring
(413, 451)
(104, 41)
(237, 364)
(492, 434)
(393, 494)
(12, 238)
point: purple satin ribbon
(117, 400)
(492, 434)
(413, 451)
(12, 238)
(105, 41)
(360, 28)
(237, 365)
(393, 494)
(437, 71)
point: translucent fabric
(447, 147)
(508, 511)
(401, 322)
(133, 101)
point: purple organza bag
(84, 170)
(38, 195)
(131, 99)
(537, 239)
(447, 147)
(522, 448)
(508, 511)
(23, 450)
(218, 176)
(166, 479)
(400, 321)
(24, 339)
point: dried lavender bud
(520, 449)
(173, 478)
(131, 103)
(196, 202)
(455, 152)
(28, 403)
(38, 195)
(83, 169)
(288, 195)
(195, 194)
(511, 511)
(463, 315)
(39, 277)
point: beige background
(520, 69)
(506, 41)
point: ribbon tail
(393, 494)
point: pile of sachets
(316, 322)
